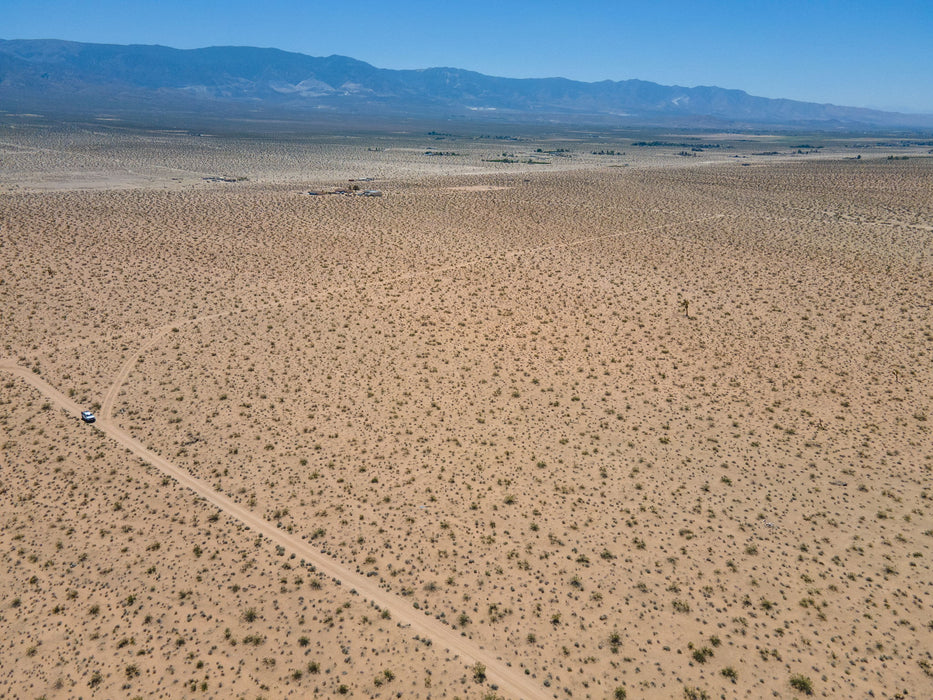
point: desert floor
(634, 424)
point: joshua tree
(685, 305)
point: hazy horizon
(791, 50)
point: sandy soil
(657, 430)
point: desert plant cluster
(660, 430)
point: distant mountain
(73, 78)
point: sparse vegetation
(802, 684)
(479, 672)
(483, 400)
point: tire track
(126, 368)
(513, 682)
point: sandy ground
(657, 430)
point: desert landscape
(560, 415)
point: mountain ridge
(55, 74)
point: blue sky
(864, 53)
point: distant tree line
(677, 145)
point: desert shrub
(802, 683)
(693, 693)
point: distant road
(510, 681)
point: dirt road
(510, 681)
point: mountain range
(55, 76)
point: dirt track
(495, 409)
(509, 680)
(130, 361)
(514, 683)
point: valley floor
(651, 426)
